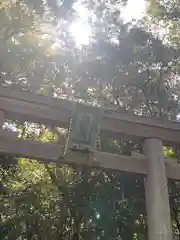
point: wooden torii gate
(26, 106)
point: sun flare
(81, 30)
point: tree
(126, 67)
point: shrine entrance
(85, 123)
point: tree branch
(147, 102)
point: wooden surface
(1, 118)
(25, 106)
(156, 189)
(46, 152)
(50, 153)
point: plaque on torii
(84, 128)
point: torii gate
(26, 106)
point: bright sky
(135, 9)
(81, 30)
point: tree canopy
(131, 67)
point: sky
(81, 30)
(135, 9)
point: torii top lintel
(27, 106)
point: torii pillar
(157, 197)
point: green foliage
(125, 66)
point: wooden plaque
(84, 128)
